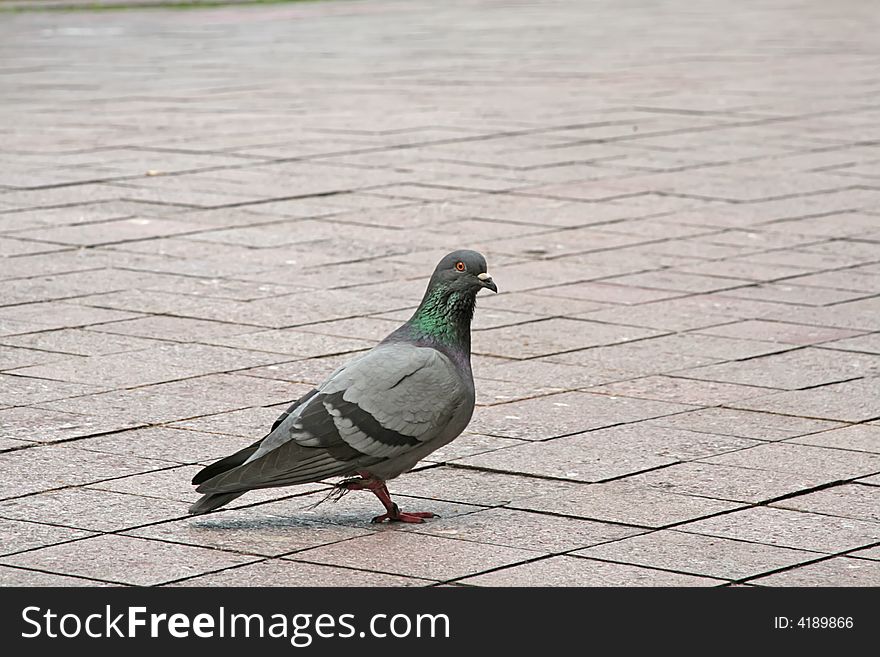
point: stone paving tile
(869, 344)
(59, 315)
(7, 444)
(402, 553)
(858, 315)
(791, 370)
(93, 510)
(46, 264)
(12, 358)
(472, 487)
(639, 358)
(654, 437)
(233, 390)
(164, 444)
(574, 571)
(47, 467)
(491, 392)
(799, 295)
(258, 530)
(469, 444)
(140, 406)
(283, 572)
(126, 560)
(17, 247)
(259, 313)
(18, 390)
(78, 342)
(220, 288)
(788, 528)
(746, 424)
(542, 373)
(11, 576)
(364, 328)
(852, 401)
(846, 279)
(577, 458)
(292, 342)
(802, 459)
(839, 571)
(684, 391)
(846, 501)
(679, 281)
(75, 284)
(711, 346)
(869, 553)
(120, 230)
(251, 423)
(623, 502)
(745, 269)
(660, 316)
(47, 426)
(171, 483)
(525, 530)
(858, 437)
(552, 337)
(310, 371)
(729, 482)
(541, 303)
(698, 555)
(608, 292)
(572, 412)
(19, 536)
(153, 365)
(178, 329)
(780, 332)
(17, 327)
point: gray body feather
(379, 414)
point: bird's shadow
(289, 523)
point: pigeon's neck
(444, 317)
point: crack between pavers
(60, 206)
(55, 275)
(825, 557)
(170, 466)
(121, 531)
(531, 475)
(720, 579)
(57, 574)
(729, 406)
(258, 162)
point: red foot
(400, 516)
(392, 511)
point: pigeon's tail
(213, 501)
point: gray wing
(388, 402)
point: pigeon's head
(463, 271)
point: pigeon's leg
(357, 483)
(392, 511)
(366, 481)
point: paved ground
(202, 212)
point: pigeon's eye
(459, 265)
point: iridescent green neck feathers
(445, 316)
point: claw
(401, 516)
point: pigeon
(378, 415)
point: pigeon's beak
(486, 281)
